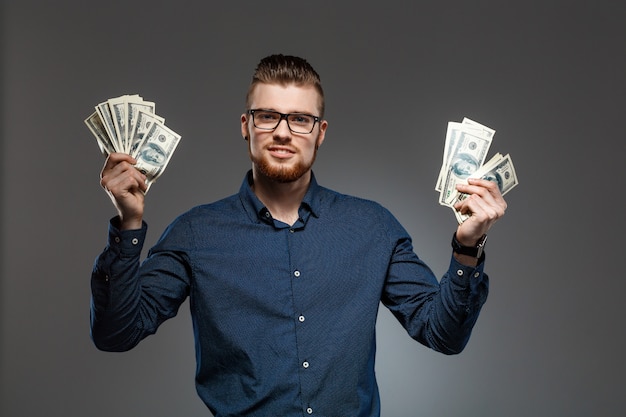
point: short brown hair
(286, 69)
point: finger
(478, 186)
(488, 190)
(114, 159)
(133, 177)
(122, 177)
(481, 210)
(491, 186)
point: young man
(285, 277)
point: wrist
(475, 250)
(130, 223)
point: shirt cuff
(463, 273)
(127, 242)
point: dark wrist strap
(473, 251)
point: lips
(281, 151)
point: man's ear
(322, 135)
(244, 126)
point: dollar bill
(134, 106)
(129, 124)
(452, 134)
(487, 131)
(94, 123)
(466, 155)
(156, 150)
(143, 122)
(500, 170)
(466, 146)
(119, 111)
(107, 121)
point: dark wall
(549, 76)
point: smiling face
(281, 155)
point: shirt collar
(257, 211)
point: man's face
(279, 154)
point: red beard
(281, 173)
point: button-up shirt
(283, 315)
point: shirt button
(135, 241)
(296, 273)
(459, 272)
(476, 274)
(301, 318)
(305, 364)
(117, 239)
(267, 214)
(291, 230)
(309, 410)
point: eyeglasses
(296, 122)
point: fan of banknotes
(128, 124)
(466, 147)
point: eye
(301, 119)
(266, 116)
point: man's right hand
(126, 187)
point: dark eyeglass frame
(285, 117)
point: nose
(282, 130)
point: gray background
(549, 76)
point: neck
(281, 199)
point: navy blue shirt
(283, 315)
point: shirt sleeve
(438, 314)
(129, 300)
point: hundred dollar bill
(94, 123)
(144, 120)
(119, 111)
(487, 131)
(156, 150)
(500, 170)
(134, 106)
(452, 134)
(128, 124)
(456, 197)
(107, 121)
(466, 156)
